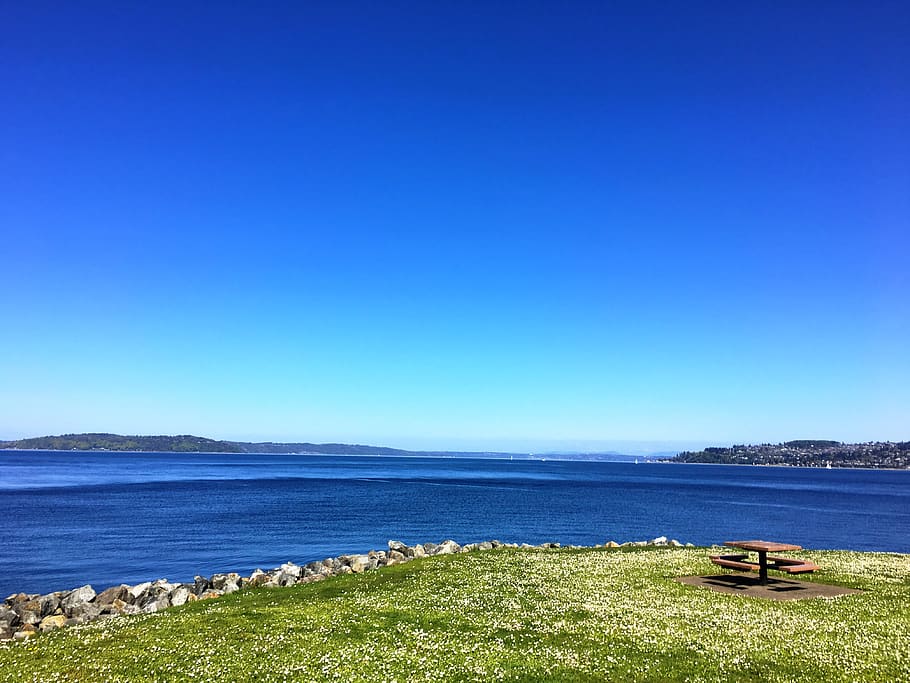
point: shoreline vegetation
(508, 613)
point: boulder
(395, 557)
(16, 598)
(612, 544)
(201, 584)
(674, 543)
(286, 579)
(291, 569)
(9, 620)
(211, 593)
(222, 581)
(358, 563)
(29, 612)
(23, 635)
(398, 546)
(428, 549)
(50, 603)
(50, 623)
(447, 548)
(106, 597)
(485, 545)
(76, 596)
(84, 611)
(258, 578)
(180, 595)
(660, 540)
(138, 592)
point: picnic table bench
(782, 564)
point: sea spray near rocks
(23, 615)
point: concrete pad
(775, 589)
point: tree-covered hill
(199, 444)
(115, 442)
(806, 453)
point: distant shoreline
(620, 459)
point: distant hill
(807, 453)
(198, 444)
(116, 442)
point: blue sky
(507, 225)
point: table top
(763, 546)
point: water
(106, 518)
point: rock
(395, 557)
(485, 545)
(8, 616)
(139, 591)
(258, 578)
(211, 593)
(291, 569)
(78, 595)
(660, 540)
(180, 595)
(286, 579)
(690, 545)
(447, 548)
(398, 546)
(612, 544)
(84, 611)
(358, 563)
(23, 635)
(50, 603)
(29, 612)
(227, 583)
(17, 598)
(428, 549)
(201, 584)
(52, 622)
(106, 597)
(674, 543)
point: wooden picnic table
(783, 564)
(763, 548)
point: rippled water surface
(107, 518)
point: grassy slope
(506, 614)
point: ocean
(110, 518)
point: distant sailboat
(636, 461)
(828, 466)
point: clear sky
(507, 225)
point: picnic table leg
(762, 567)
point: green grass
(506, 615)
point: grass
(504, 615)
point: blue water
(105, 518)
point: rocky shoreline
(23, 615)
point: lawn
(504, 614)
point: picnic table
(784, 564)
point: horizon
(506, 226)
(627, 448)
